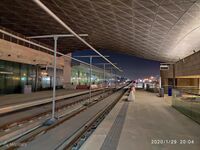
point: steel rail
(47, 128)
(16, 136)
(70, 141)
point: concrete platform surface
(148, 123)
(54, 138)
(11, 99)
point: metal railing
(21, 42)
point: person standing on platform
(131, 96)
(133, 83)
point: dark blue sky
(133, 67)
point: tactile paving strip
(113, 136)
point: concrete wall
(189, 65)
(187, 72)
(67, 70)
(184, 82)
(17, 53)
(167, 73)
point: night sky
(133, 67)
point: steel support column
(90, 78)
(54, 77)
(104, 74)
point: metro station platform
(13, 102)
(11, 99)
(147, 123)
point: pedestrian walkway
(11, 99)
(149, 123)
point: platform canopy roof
(164, 30)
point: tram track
(61, 112)
(16, 117)
(81, 135)
(64, 134)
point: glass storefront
(14, 76)
(81, 75)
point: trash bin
(161, 92)
(169, 91)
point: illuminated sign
(164, 67)
(5, 72)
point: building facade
(22, 65)
(81, 75)
(183, 74)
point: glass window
(13, 76)
(2, 83)
(2, 65)
(23, 75)
(16, 68)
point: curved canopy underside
(164, 30)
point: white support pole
(53, 35)
(111, 72)
(160, 84)
(54, 78)
(115, 79)
(56, 18)
(104, 74)
(90, 78)
(40, 46)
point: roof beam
(41, 46)
(40, 4)
(57, 35)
